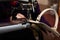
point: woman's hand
(20, 18)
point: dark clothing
(5, 9)
(25, 12)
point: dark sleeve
(36, 13)
(5, 9)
